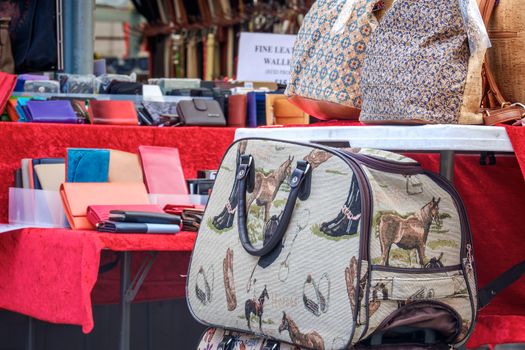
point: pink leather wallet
(162, 170)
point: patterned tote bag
(327, 58)
(423, 64)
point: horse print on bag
(256, 306)
(317, 157)
(311, 340)
(267, 186)
(347, 221)
(224, 220)
(408, 233)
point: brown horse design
(267, 186)
(256, 307)
(410, 233)
(317, 157)
(229, 284)
(311, 340)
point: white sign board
(265, 57)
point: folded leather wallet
(162, 170)
(134, 227)
(50, 176)
(77, 197)
(124, 167)
(143, 217)
(51, 112)
(113, 112)
(87, 165)
(201, 112)
(156, 109)
(99, 213)
(237, 111)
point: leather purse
(113, 112)
(162, 170)
(237, 109)
(87, 165)
(77, 197)
(124, 167)
(201, 112)
(98, 213)
(51, 112)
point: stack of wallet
(133, 219)
(191, 215)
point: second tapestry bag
(327, 58)
(423, 64)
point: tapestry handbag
(423, 64)
(324, 248)
(327, 57)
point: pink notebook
(162, 170)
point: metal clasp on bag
(245, 164)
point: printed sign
(265, 57)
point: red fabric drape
(50, 273)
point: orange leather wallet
(113, 112)
(77, 196)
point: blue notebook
(256, 108)
(87, 165)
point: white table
(445, 139)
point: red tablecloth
(199, 147)
(50, 273)
(494, 197)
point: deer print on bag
(410, 233)
(252, 306)
(311, 340)
(267, 186)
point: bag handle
(486, 294)
(300, 182)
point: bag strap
(492, 96)
(505, 114)
(300, 182)
(486, 294)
